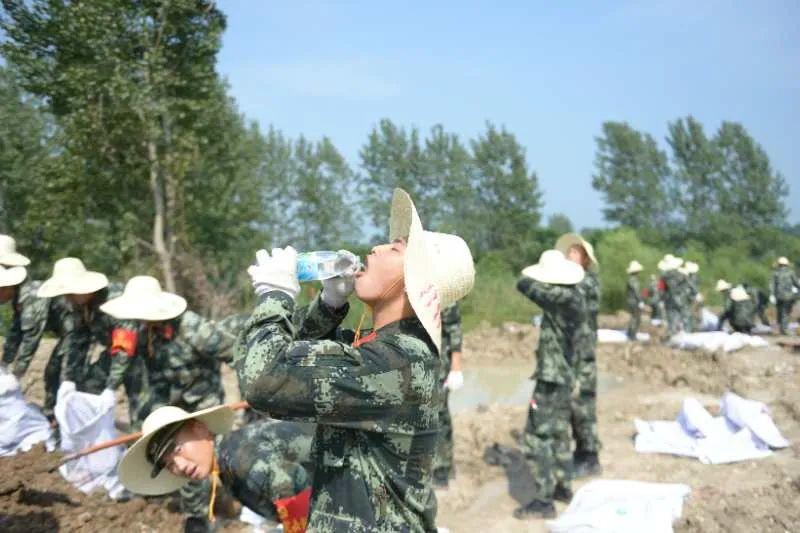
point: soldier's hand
(772, 299)
(455, 380)
(276, 272)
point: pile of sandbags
(21, 424)
(711, 341)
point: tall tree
(510, 201)
(559, 223)
(128, 82)
(632, 174)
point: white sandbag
(617, 335)
(694, 418)
(84, 420)
(754, 416)
(621, 506)
(708, 320)
(21, 424)
(711, 341)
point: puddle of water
(506, 383)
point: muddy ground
(643, 380)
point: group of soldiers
(675, 294)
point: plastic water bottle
(325, 265)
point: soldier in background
(634, 298)
(760, 301)
(738, 311)
(451, 378)
(552, 284)
(674, 288)
(784, 288)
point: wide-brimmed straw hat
(438, 269)
(692, 267)
(782, 261)
(12, 276)
(134, 468)
(9, 255)
(568, 240)
(669, 262)
(738, 294)
(143, 299)
(71, 277)
(554, 268)
(634, 267)
(723, 285)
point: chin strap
(214, 483)
(368, 309)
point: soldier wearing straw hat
(586, 460)
(552, 284)
(376, 397)
(635, 301)
(785, 286)
(265, 465)
(673, 293)
(15, 291)
(182, 353)
(738, 311)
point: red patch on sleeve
(293, 511)
(123, 340)
(662, 285)
(645, 293)
(168, 332)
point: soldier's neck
(386, 312)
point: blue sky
(551, 72)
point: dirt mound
(493, 343)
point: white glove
(772, 299)
(455, 380)
(699, 298)
(275, 273)
(641, 305)
(108, 396)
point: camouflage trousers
(674, 320)
(784, 308)
(546, 444)
(96, 378)
(583, 403)
(634, 322)
(444, 445)
(687, 318)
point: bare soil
(647, 381)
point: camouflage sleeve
(32, 325)
(550, 297)
(318, 320)
(206, 336)
(321, 380)
(451, 327)
(74, 343)
(727, 314)
(13, 338)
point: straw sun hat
(554, 268)
(143, 299)
(723, 285)
(669, 262)
(12, 276)
(135, 469)
(568, 240)
(9, 255)
(738, 294)
(634, 267)
(438, 269)
(71, 277)
(783, 261)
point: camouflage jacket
(182, 357)
(674, 294)
(654, 295)
(265, 461)
(692, 288)
(32, 317)
(93, 326)
(376, 406)
(784, 283)
(590, 288)
(564, 313)
(451, 337)
(739, 314)
(634, 293)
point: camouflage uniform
(95, 327)
(451, 342)
(546, 442)
(376, 406)
(691, 290)
(634, 301)
(584, 401)
(784, 283)
(265, 461)
(32, 317)
(740, 315)
(655, 303)
(760, 301)
(673, 300)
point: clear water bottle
(325, 265)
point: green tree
(559, 223)
(633, 176)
